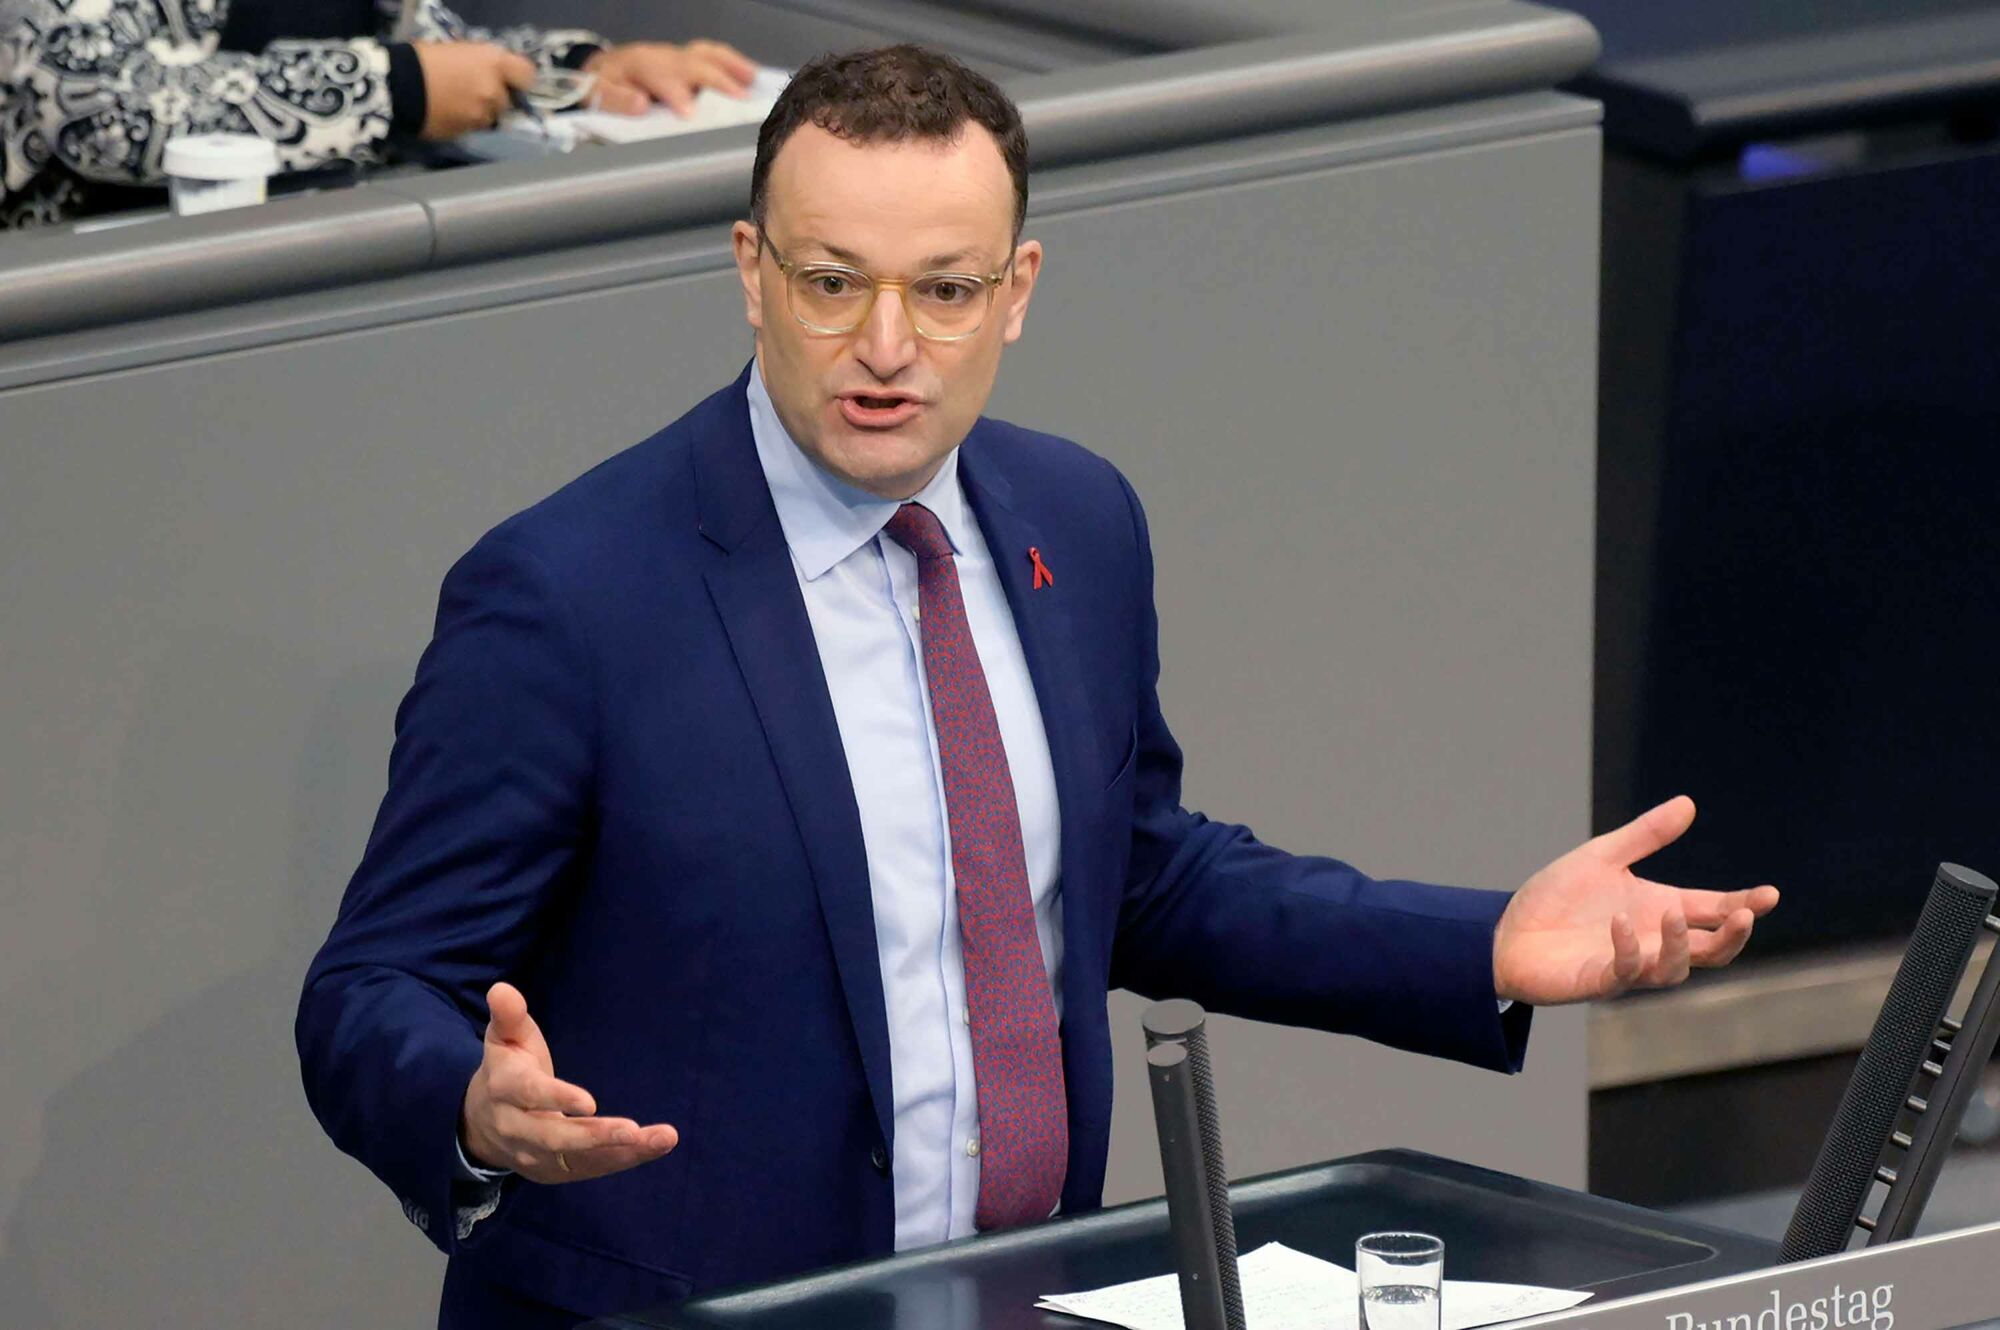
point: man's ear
(1020, 288)
(747, 243)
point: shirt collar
(825, 519)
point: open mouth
(878, 410)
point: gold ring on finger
(562, 1161)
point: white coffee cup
(209, 172)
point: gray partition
(787, 33)
(1345, 355)
(1376, 60)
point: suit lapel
(756, 592)
(1048, 641)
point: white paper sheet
(712, 110)
(1289, 1290)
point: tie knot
(917, 529)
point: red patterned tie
(1016, 1051)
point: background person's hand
(466, 83)
(633, 76)
(1588, 927)
(518, 1115)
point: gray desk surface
(1365, 58)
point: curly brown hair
(890, 95)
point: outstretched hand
(1587, 927)
(518, 1115)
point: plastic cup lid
(221, 157)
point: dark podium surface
(1495, 1227)
(1701, 77)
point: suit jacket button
(880, 1158)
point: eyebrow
(955, 256)
(854, 260)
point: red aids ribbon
(1043, 577)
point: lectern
(1495, 1227)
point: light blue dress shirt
(860, 590)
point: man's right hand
(518, 1115)
(466, 83)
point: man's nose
(885, 342)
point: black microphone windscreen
(1910, 1018)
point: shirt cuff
(409, 100)
(468, 1171)
(1504, 1004)
(465, 1218)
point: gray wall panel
(1362, 425)
(229, 566)
(1357, 401)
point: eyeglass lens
(836, 299)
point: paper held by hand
(1289, 1290)
(712, 110)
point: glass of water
(1402, 1277)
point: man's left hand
(1588, 927)
(633, 76)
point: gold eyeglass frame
(989, 282)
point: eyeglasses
(834, 298)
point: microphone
(1946, 1088)
(1198, 1207)
(1912, 1017)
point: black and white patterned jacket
(91, 90)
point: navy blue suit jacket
(617, 782)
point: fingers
(537, 1136)
(521, 1083)
(1622, 970)
(1709, 909)
(737, 65)
(709, 68)
(1648, 833)
(1658, 961)
(546, 1129)
(670, 74)
(517, 1114)
(619, 98)
(1681, 944)
(532, 1138)
(574, 1166)
(517, 71)
(551, 1148)
(510, 1025)
(1723, 944)
(496, 71)
(1671, 967)
(659, 82)
(507, 1013)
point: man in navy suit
(802, 770)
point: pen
(526, 106)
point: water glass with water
(1402, 1278)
